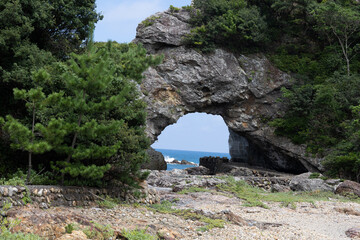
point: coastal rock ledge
(242, 89)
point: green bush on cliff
(317, 43)
(225, 23)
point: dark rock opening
(245, 150)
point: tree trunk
(72, 144)
(30, 152)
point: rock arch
(243, 89)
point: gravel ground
(307, 221)
(319, 221)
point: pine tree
(24, 136)
(85, 135)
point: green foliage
(14, 181)
(254, 196)
(211, 223)
(344, 161)
(85, 131)
(316, 42)
(149, 21)
(226, 23)
(243, 191)
(108, 202)
(37, 178)
(6, 227)
(317, 114)
(24, 137)
(340, 24)
(91, 116)
(164, 207)
(314, 175)
(33, 34)
(167, 207)
(99, 231)
(137, 235)
(69, 228)
(174, 9)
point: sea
(191, 156)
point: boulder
(156, 160)
(348, 187)
(214, 164)
(198, 171)
(302, 182)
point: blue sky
(121, 17)
(195, 132)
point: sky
(121, 17)
(194, 132)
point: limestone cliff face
(242, 89)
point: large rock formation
(243, 89)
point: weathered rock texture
(303, 182)
(243, 89)
(348, 187)
(156, 160)
(46, 196)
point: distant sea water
(191, 156)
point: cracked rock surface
(242, 89)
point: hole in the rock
(254, 153)
(194, 135)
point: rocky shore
(196, 205)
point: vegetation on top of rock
(318, 43)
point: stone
(44, 205)
(40, 192)
(184, 162)
(353, 233)
(348, 187)
(198, 171)
(302, 182)
(243, 90)
(168, 234)
(333, 182)
(156, 160)
(12, 190)
(6, 192)
(279, 188)
(75, 235)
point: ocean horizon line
(189, 150)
